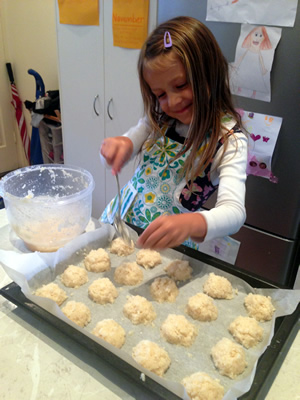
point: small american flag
(17, 103)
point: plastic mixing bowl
(48, 205)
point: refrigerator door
(270, 257)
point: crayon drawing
(263, 133)
(250, 72)
(260, 12)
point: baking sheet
(32, 270)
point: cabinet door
(80, 55)
(85, 84)
(123, 101)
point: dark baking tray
(283, 336)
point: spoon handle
(119, 196)
(118, 223)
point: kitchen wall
(29, 34)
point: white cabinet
(97, 82)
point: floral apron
(157, 188)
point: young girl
(190, 142)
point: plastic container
(48, 205)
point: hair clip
(167, 40)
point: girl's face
(257, 37)
(168, 82)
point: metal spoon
(119, 225)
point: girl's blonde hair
(207, 73)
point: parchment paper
(32, 270)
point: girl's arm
(138, 135)
(262, 64)
(229, 213)
(115, 152)
(237, 64)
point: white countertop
(37, 362)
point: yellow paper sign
(130, 23)
(79, 12)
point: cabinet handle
(108, 105)
(94, 105)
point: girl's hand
(173, 230)
(116, 151)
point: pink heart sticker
(255, 137)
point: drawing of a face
(257, 37)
